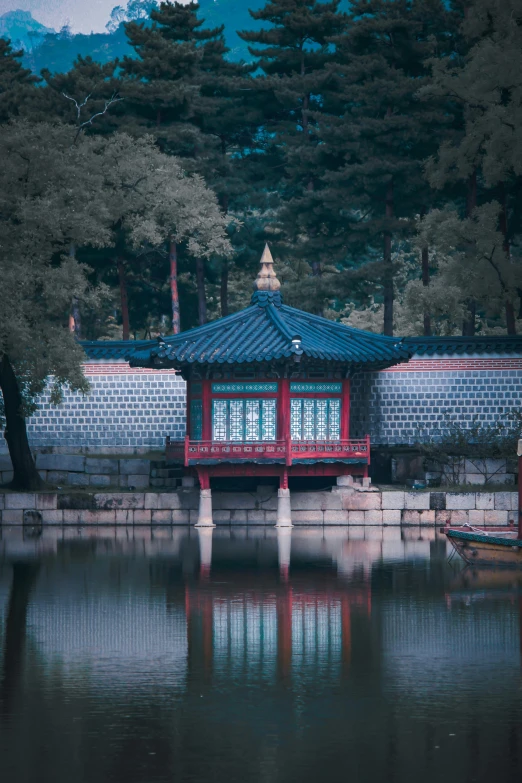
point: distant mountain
(46, 48)
(24, 31)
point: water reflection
(255, 654)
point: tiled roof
(264, 332)
(455, 346)
(110, 350)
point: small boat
(478, 546)
(487, 548)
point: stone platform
(341, 506)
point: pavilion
(268, 392)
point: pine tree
(485, 158)
(186, 93)
(293, 52)
(17, 84)
(86, 96)
(376, 132)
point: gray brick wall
(138, 410)
(127, 409)
(390, 405)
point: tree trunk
(388, 271)
(223, 294)
(124, 299)
(24, 578)
(511, 323)
(425, 266)
(468, 324)
(26, 477)
(202, 302)
(174, 293)
(75, 318)
(224, 288)
(425, 282)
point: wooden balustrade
(192, 452)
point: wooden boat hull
(489, 550)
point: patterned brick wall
(139, 407)
(130, 408)
(389, 405)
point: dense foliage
(374, 145)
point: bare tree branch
(79, 106)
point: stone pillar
(284, 510)
(205, 509)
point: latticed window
(315, 419)
(244, 420)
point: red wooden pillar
(206, 433)
(204, 477)
(345, 410)
(283, 412)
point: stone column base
(284, 510)
(205, 509)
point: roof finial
(266, 279)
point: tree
(55, 194)
(293, 52)
(376, 133)
(135, 10)
(17, 84)
(183, 90)
(84, 95)
(486, 157)
(48, 200)
(474, 255)
(152, 201)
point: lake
(335, 654)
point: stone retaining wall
(341, 506)
(77, 470)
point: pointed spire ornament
(266, 279)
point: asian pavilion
(268, 393)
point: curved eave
(264, 334)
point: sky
(83, 16)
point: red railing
(192, 451)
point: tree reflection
(23, 580)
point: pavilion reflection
(278, 602)
(276, 624)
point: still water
(318, 655)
